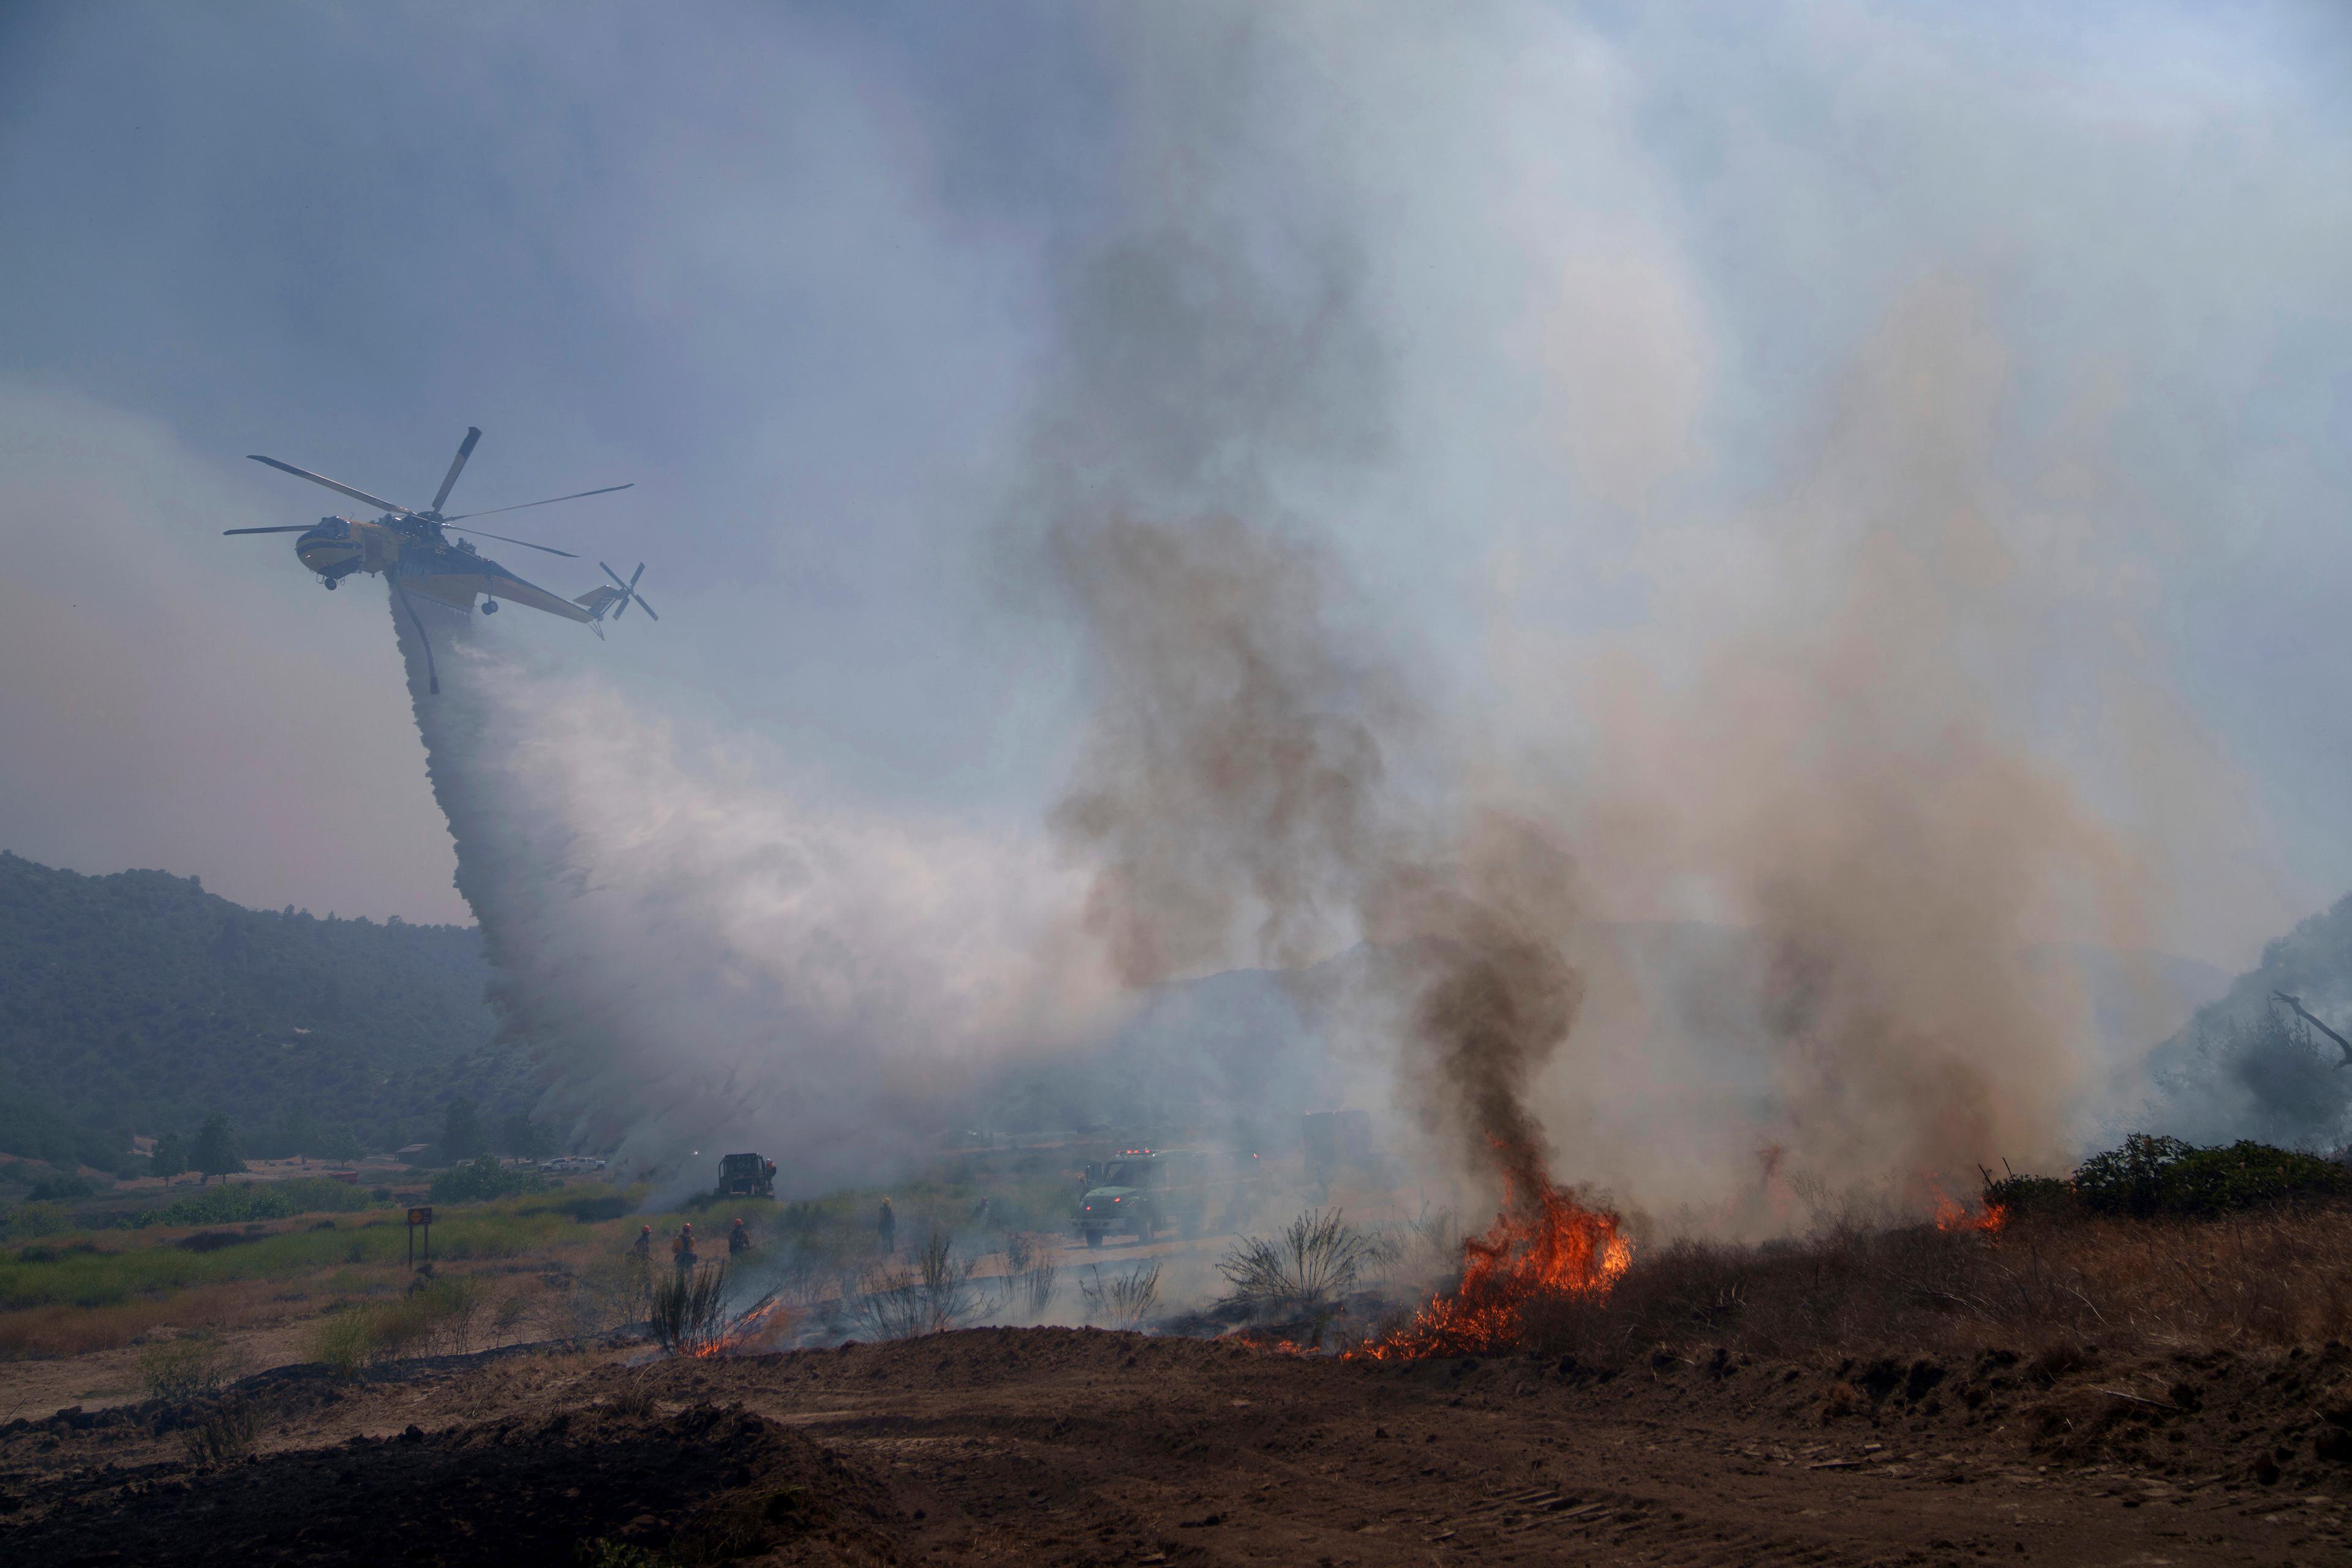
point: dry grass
(2278, 1277)
(1032, 1269)
(1121, 1300)
(183, 1368)
(932, 1297)
(65, 1329)
(448, 1316)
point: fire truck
(1143, 1193)
(747, 1176)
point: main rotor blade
(550, 501)
(289, 527)
(502, 539)
(465, 451)
(331, 484)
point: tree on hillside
(215, 1151)
(171, 1155)
(461, 1132)
(520, 1136)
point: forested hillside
(140, 1002)
(2249, 1067)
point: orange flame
(757, 1329)
(1550, 1248)
(1952, 1215)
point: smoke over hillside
(1692, 696)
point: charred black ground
(1074, 1446)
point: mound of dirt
(705, 1484)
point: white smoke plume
(707, 963)
(1393, 447)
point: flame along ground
(1553, 1247)
(1953, 1215)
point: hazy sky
(805, 273)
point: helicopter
(411, 548)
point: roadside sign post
(420, 1218)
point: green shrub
(444, 1317)
(345, 1342)
(60, 1187)
(257, 1201)
(483, 1179)
(2154, 1176)
(2016, 1196)
(29, 1220)
(183, 1369)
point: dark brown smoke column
(1238, 791)
(1477, 941)
(1234, 755)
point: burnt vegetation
(2156, 1245)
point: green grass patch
(253, 1202)
(87, 1274)
(484, 1180)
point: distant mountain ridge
(140, 1002)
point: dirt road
(1074, 1447)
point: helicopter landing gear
(489, 607)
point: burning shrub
(1306, 1271)
(689, 1309)
(1122, 1301)
(1538, 1256)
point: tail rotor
(628, 591)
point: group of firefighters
(681, 1245)
(739, 1238)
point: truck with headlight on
(1143, 1193)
